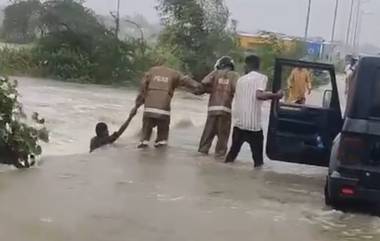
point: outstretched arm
(192, 85)
(263, 95)
(266, 95)
(125, 124)
(138, 103)
(206, 83)
(140, 99)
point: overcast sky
(287, 16)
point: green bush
(19, 141)
(17, 61)
(65, 64)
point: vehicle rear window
(375, 107)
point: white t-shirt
(247, 108)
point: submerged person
(249, 97)
(299, 84)
(220, 84)
(103, 137)
(156, 93)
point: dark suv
(354, 172)
(316, 134)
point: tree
(197, 31)
(19, 142)
(21, 21)
(76, 45)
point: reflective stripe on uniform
(157, 111)
(219, 108)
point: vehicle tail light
(352, 149)
(348, 191)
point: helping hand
(133, 111)
(280, 94)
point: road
(119, 193)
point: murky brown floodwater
(119, 193)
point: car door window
(306, 86)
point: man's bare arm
(266, 95)
(125, 125)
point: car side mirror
(327, 96)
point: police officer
(156, 92)
(220, 84)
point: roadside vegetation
(65, 40)
(70, 42)
(19, 136)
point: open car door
(304, 124)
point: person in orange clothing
(299, 84)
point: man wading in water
(220, 84)
(156, 92)
(249, 97)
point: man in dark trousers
(220, 84)
(156, 93)
(249, 96)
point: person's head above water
(252, 63)
(225, 62)
(101, 129)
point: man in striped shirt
(249, 96)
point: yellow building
(254, 41)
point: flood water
(119, 193)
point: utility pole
(117, 29)
(116, 18)
(349, 23)
(334, 21)
(307, 20)
(358, 11)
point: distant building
(249, 41)
(316, 48)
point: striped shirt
(247, 108)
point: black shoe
(143, 145)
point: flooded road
(119, 193)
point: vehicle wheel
(327, 195)
(329, 199)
